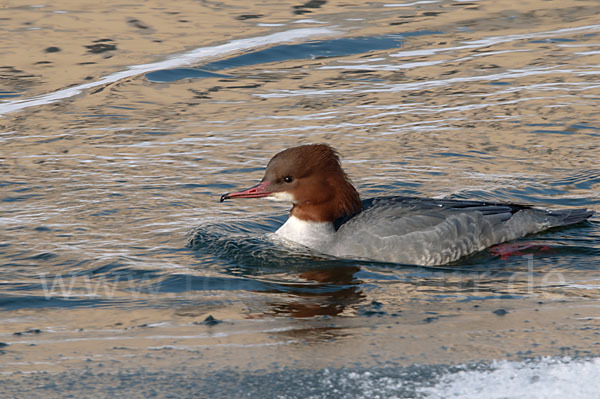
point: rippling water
(122, 124)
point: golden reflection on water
(498, 96)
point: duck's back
(433, 232)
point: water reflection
(104, 173)
(336, 290)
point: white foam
(547, 378)
(175, 61)
(419, 64)
(494, 40)
(416, 3)
(401, 87)
(309, 21)
(589, 53)
(226, 345)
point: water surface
(122, 125)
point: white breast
(315, 235)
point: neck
(342, 202)
(315, 235)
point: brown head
(312, 179)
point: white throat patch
(282, 196)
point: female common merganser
(328, 215)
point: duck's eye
(288, 179)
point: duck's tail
(565, 217)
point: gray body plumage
(434, 232)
